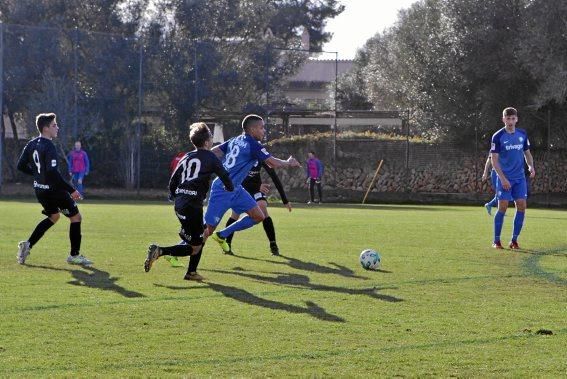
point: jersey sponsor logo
(514, 147)
(39, 185)
(185, 192)
(54, 163)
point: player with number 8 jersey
(239, 155)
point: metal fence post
(2, 132)
(139, 123)
(335, 106)
(75, 82)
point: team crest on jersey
(521, 139)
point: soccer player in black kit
(188, 188)
(39, 158)
(253, 184)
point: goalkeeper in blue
(239, 154)
(510, 147)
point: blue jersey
(241, 153)
(510, 148)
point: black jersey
(190, 181)
(39, 158)
(253, 181)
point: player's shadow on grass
(93, 278)
(303, 281)
(311, 267)
(246, 297)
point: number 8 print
(231, 157)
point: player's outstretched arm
(277, 183)
(278, 163)
(217, 151)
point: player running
(188, 188)
(254, 186)
(39, 158)
(510, 146)
(239, 155)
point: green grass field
(444, 303)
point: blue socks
(244, 223)
(518, 223)
(498, 222)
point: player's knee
(54, 217)
(258, 217)
(76, 218)
(196, 249)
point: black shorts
(255, 193)
(192, 224)
(57, 201)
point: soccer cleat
(79, 260)
(23, 251)
(514, 245)
(222, 243)
(488, 208)
(193, 276)
(497, 245)
(174, 261)
(154, 252)
(274, 248)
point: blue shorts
(518, 190)
(220, 200)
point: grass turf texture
(444, 304)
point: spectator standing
(79, 166)
(314, 170)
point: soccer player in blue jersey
(510, 147)
(239, 155)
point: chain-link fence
(129, 101)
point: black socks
(177, 250)
(75, 237)
(269, 228)
(39, 231)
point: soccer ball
(370, 259)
